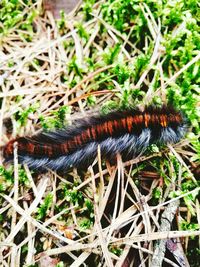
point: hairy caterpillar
(125, 132)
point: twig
(166, 220)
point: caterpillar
(126, 132)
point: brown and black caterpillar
(126, 132)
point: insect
(126, 132)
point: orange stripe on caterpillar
(129, 122)
(147, 118)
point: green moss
(43, 208)
(21, 116)
(58, 119)
(13, 17)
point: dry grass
(126, 222)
